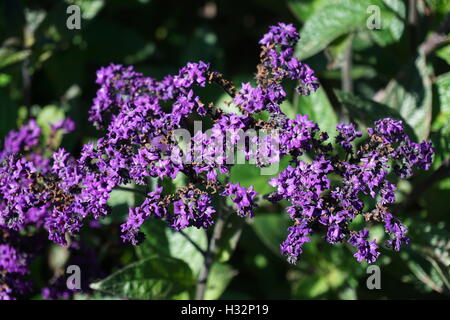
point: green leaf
(444, 53)
(9, 56)
(366, 111)
(392, 23)
(428, 278)
(318, 108)
(337, 52)
(156, 241)
(271, 229)
(182, 249)
(120, 201)
(329, 23)
(392, 14)
(303, 9)
(163, 241)
(250, 175)
(220, 276)
(312, 287)
(224, 104)
(152, 278)
(411, 95)
(440, 6)
(443, 117)
(230, 238)
(428, 256)
(338, 18)
(88, 8)
(119, 197)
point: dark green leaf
(392, 23)
(271, 229)
(152, 278)
(318, 108)
(230, 237)
(220, 276)
(411, 95)
(156, 241)
(366, 111)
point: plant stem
(346, 76)
(347, 83)
(210, 255)
(226, 85)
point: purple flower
(137, 216)
(192, 73)
(346, 134)
(389, 130)
(249, 98)
(243, 198)
(46, 189)
(12, 261)
(192, 210)
(337, 226)
(277, 55)
(67, 125)
(24, 139)
(397, 230)
(283, 34)
(292, 247)
(366, 250)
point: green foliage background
(392, 75)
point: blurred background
(401, 70)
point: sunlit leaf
(220, 276)
(318, 108)
(152, 278)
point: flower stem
(210, 254)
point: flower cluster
(292, 247)
(16, 254)
(243, 198)
(346, 134)
(366, 250)
(278, 57)
(317, 200)
(139, 117)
